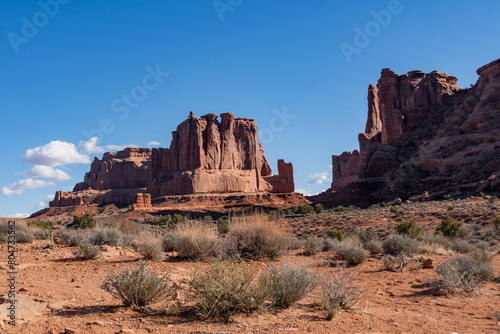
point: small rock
(22, 290)
(427, 264)
(105, 248)
(97, 323)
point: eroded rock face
(205, 156)
(345, 168)
(142, 202)
(424, 135)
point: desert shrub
(318, 208)
(374, 246)
(127, 240)
(178, 218)
(258, 236)
(450, 227)
(492, 199)
(335, 234)
(451, 207)
(462, 246)
(340, 208)
(496, 223)
(226, 288)
(462, 273)
(223, 225)
(409, 228)
(41, 233)
(23, 234)
(398, 244)
(288, 284)
(482, 254)
(87, 251)
(71, 237)
(105, 236)
(168, 242)
(352, 251)
(330, 244)
(437, 239)
(165, 220)
(313, 245)
(305, 209)
(41, 224)
(295, 243)
(137, 287)
(195, 241)
(150, 248)
(395, 263)
(339, 292)
(82, 222)
(279, 212)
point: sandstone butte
(424, 136)
(205, 157)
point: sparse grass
(226, 288)
(137, 287)
(313, 245)
(195, 241)
(258, 236)
(462, 274)
(150, 248)
(398, 244)
(288, 284)
(339, 292)
(87, 251)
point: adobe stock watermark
(223, 6)
(363, 37)
(122, 106)
(11, 272)
(30, 27)
(277, 124)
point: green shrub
(496, 223)
(279, 212)
(223, 225)
(313, 245)
(492, 199)
(305, 209)
(450, 227)
(409, 228)
(451, 207)
(318, 208)
(340, 208)
(288, 284)
(41, 224)
(82, 222)
(225, 289)
(137, 287)
(462, 273)
(335, 234)
(399, 244)
(163, 221)
(87, 251)
(150, 248)
(339, 292)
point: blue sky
(130, 72)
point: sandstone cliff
(424, 133)
(205, 156)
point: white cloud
(154, 143)
(29, 183)
(319, 178)
(48, 172)
(119, 147)
(19, 215)
(55, 153)
(45, 203)
(90, 146)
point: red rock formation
(205, 156)
(345, 168)
(142, 202)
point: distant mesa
(205, 157)
(424, 134)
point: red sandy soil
(58, 294)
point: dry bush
(312, 245)
(23, 234)
(105, 236)
(374, 246)
(195, 241)
(150, 247)
(398, 244)
(87, 251)
(462, 246)
(137, 287)
(288, 284)
(351, 250)
(395, 263)
(70, 237)
(339, 292)
(258, 236)
(226, 288)
(462, 274)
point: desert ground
(56, 292)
